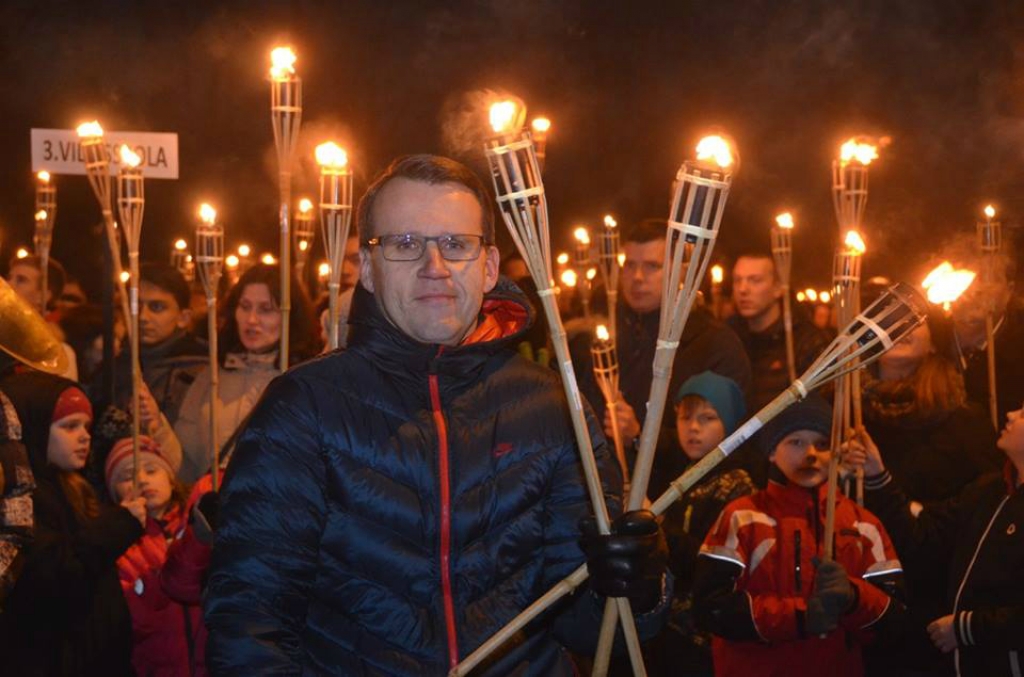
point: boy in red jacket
(760, 588)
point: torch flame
(44, 176)
(125, 275)
(715, 148)
(812, 294)
(90, 129)
(609, 221)
(541, 125)
(231, 261)
(569, 278)
(990, 211)
(129, 158)
(282, 63)
(503, 116)
(324, 269)
(945, 284)
(562, 259)
(305, 205)
(180, 244)
(268, 259)
(717, 274)
(591, 273)
(207, 214)
(21, 253)
(622, 259)
(581, 235)
(602, 333)
(330, 154)
(855, 243)
(244, 250)
(785, 220)
(801, 297)
(859, 150)
(824, 297)
(41, 215)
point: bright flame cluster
(129, 158)
(90, 130)
(44, 176)
(854, 243)
(785, 220)
(990, 211)
(855, 149)
(609, 221)
(717, 274)
(207, 214)
(282, 63)
(180, 244)
(813, 295)
(945, 283)
(503, 116)
(715, 148)
(602, 333)
(581, 235)
(541, 125)
(41, 215)
(330, 154)
(305, 205)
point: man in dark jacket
(757, 293)
(388, 508)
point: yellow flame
(503, 116)
(41, 215)
(541, 125)
(785, 220)
(717, 274)
(990, 211)
(125, 275)
(207, 214)
(581, 235)
(602, 333)
(244, 250)
(305, 205)
(824, 297)
(129, 158)
(90, 129)
(609, 221)
(801, 297)
(44, 176)
(855, 243)
(562, 259)
(282, 63)
(622, 259)
(231, 261)
(569, 278)
(715, 148)
(324, 269)
(812, 294)
(268, 259)
(330, 154)
(21, 253)
(856, 149)
(180, 244)
(591, 273)
(945, 284)
(303, 245)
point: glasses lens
(402, 247)
(459, 247)
(410, 247)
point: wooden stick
(990, 352)
(838, 428)
(787, 319)
(211, 329)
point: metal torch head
(990, 236)
(209, 256)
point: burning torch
(335, 217)
(181, 259)
(210, 262)
(304, 234)
(519, 190)
(131, 204)
(541, 126)
(717, 278)
(286, 116)
(46, 215)
(782, 253)
(850, 181)
(606, 373)
(581, 261)
(990, 241)
(608, 262)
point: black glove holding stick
(834, 596)
(628, 562)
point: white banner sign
(58, 152)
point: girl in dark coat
(66, 614)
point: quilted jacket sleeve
(272, 512)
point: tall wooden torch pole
(335, 217)
(990, 241)
(782, 253)
(209, 260)
(46, 216)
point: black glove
(628, 562)
(204, 517)
(819, 621)
(833, 587)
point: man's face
(159, 314)
(1011, 439)
(431, 300)
(641, 275)
(754, 287)
(350, 264)
(803, 457)
(27, 283)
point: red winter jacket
(755, 574)
(162, 629)
(184, 575)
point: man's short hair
(169, 279)
(430, 169)
(756, 253)
(55, 278)
(645, 231)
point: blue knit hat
(811, 413)
(721, 392)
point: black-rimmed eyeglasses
(410, 247)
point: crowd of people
(386, 507)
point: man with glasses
(389, 508)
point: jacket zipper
(446, 579)
(796, 559)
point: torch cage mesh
(606, 368)
(286, 115)
(849, 192)
(608, 257)
(699, 196)
(209, 257)
(46, 200)
(131, 204)
(990, 236)
(519, 190)
(182, 261)
(335, 215)
(42, 236)
(97, 168)
(782, 252)
(845, 270)
(896, 313)
(303, 230)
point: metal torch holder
(849, 192)
(846, 403)
(990, 242)
(582, 262)
(131, 205)
(46, 201)
(209, 260)
(335, 219)
(182, 260)
(303, 232)
(782, 253)
(286, 118)
(606, 373)
(608, 262)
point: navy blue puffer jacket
(389, 508)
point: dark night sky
(629, 91)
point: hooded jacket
(388, 508)
(66, 614)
